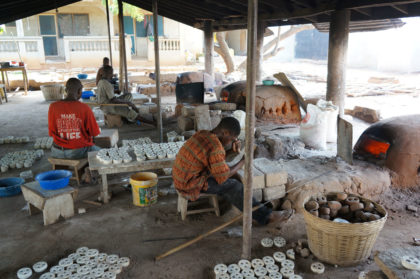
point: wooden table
(13, 69)
(133, 166)
(52, 203)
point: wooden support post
(260, 49)
(157, 68)
(337, 58)
(109, 31)
(121, 44)
(250, 123)
(209, 48)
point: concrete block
(215, 120)
(202, 117)
(223, 106)
(215, 113)
(187, 111)
(113, 120)
(275, 192)
(257, 194)
(258, 178)
(185, 123)
(273, 171)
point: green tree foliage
(131, 10)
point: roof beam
(350, 4)
(365, 12)
(227, 5)
(402, 8)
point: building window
(73, 25)
(11, 24)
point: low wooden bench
(184, 202)
(74, 165)
(52, 203)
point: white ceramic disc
(73, 256)
(103, 266)
(220, 268)
(247, 272)
(92, 253)
(257, 263)
(116, 268)
(267, 242)
(65, 262)
(56, 269)
(234, 268)
(40, 267)
(410, 262)
(236, 276)
(97, 272)
(73, 268)
(101, 257)
(65, 274)
(290, 254)
(111, 259)
(286, 272)
(109, 275)
(260, 271)
(317, 268)
(295, 276)
(47, 275)
(275, 275)
(288, 263)
(279, 241)
(84, 270)
(363, 275)
(82, 250)
(222, 276)
(244, 264)
(88, 277)
(75, 276)
(279, 256)
(271, 268)
(24, 273)
(82, 260)
(268, 260)
(124, 261)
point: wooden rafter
(401, 8)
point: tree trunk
(223, 50)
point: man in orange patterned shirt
(200, 167)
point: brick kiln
(394, 143)
(274, 103)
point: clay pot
(325, 211)
(303, 242)
(374, 217)
(358, 214)
(352, 200)
(333, 213)
(369, 206)
(326, 217)
(334, 205)
(356, 206)
(365, 216)
(321, 200)
(305, 252)
(341, 196)
(287, 205)
(314, 212)
(310, 205)
(345, 209)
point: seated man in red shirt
(72, 125)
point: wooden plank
(345, 140)
(250, 124)
(209, 48)
(109, 31)
(157, 69)
(36, 188)
(68, 162)
(389, 262)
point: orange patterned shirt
(199, 158)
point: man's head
(105, 61)
(108, 71)
(74, 89)
(228, 130)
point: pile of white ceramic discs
(173, 136)
(157, 150)
(132, 143)
(12, 139)
(20, 159)
(114, 156)
(85, 263)
(44, 143)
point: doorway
(49, 34)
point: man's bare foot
(283, 216)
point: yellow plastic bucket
(144, 188)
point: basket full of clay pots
(342, 228)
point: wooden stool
(183, 205)
(113, 120)
(71, 164)
(52, 203)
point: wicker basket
(340, 243)
(52, 92)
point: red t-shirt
(72, 124)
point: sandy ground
(143, 233)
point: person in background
(200, 167)
(105, 95)
(100, 73)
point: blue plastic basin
(82, 76)
(87, 94)
(53, 180)
(10, 186)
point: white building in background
(76, 36)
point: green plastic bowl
(268, 82)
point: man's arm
(115, 100)
(235, 168)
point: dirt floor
(143, 233)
